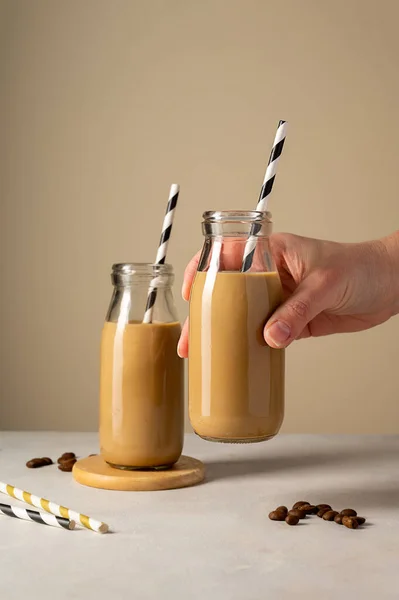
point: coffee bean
(338, 519)
(291, 519)
(360, 520)
(330, 515)
(320, 506)
(48, 460)
(350, 522)
(309, 509)
(348, 512)
(66, 456)
(300, 503)
(297, 512)
(277, 515)
(36, 463)
(67, 465)
(283, 509)
(322, 511)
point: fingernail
(278, 333)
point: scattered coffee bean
(350, 522)
(338, 519)
(291, 519)
(67, 465)
(36, 463)
(277, 515)
(283, 509)
(309, 509)
(300, 503)
(297, 512)
(347, 517)
(330, 515)
(66, 456)
(348, 512)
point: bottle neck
(230, 236)
(133, 282)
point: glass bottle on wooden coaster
(142, 377)
(236, 381)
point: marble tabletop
(212, 541)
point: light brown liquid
(236, 381)
(141, 395)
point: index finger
(189, 275)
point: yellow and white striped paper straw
(52, 508)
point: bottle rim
(142, 269)
(124, 274)
(237, 216)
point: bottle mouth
(129, 273)
(237, 216)
(142, 269)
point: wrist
(390, 258)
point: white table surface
(212, 541)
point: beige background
(105, 103)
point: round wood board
(95, 472)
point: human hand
(328, 287)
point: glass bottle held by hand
(141, 381)
(236, 381)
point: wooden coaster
(95, 472)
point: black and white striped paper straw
(37, 517)
(265, 192)
(162, 248)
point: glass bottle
(236, 381)
(141, 375)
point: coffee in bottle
(141, 380)
(236, 381)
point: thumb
(290, 319)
